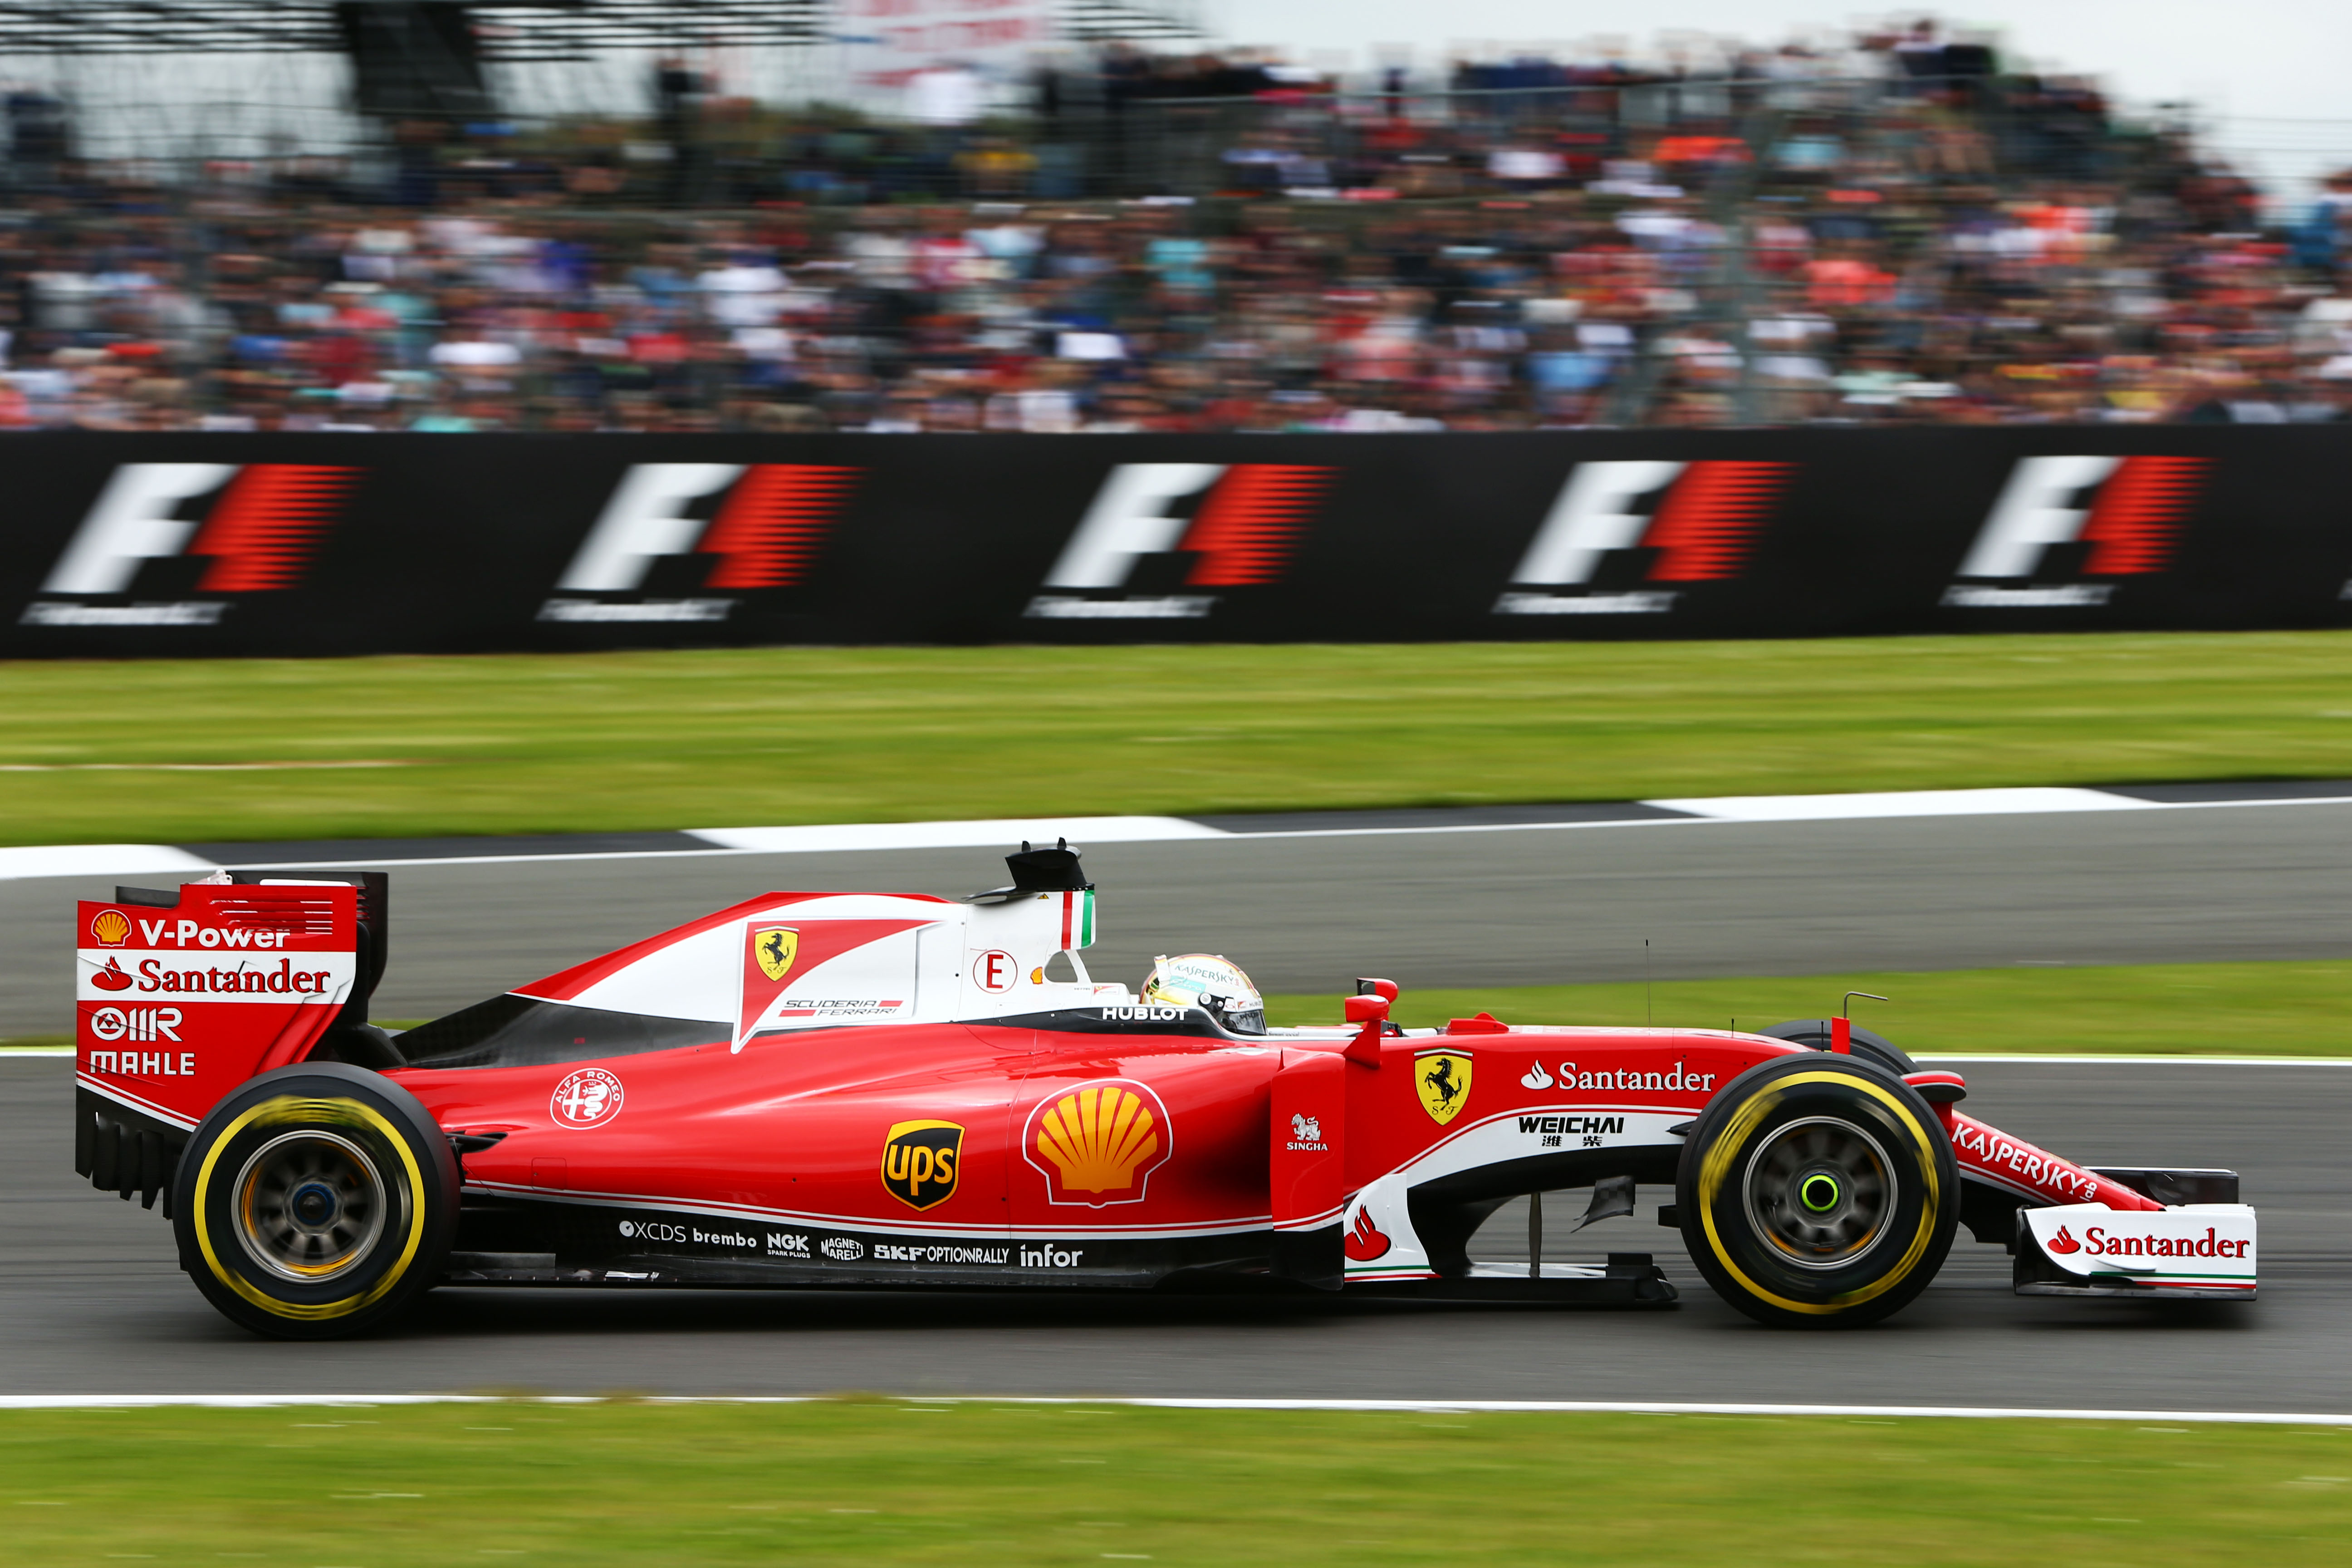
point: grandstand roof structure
(506, 31)
(516, 31)
(198, 79)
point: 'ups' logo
(776, 947)
(918, 1161)
(1443, 1079)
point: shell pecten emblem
(1442, 1078)
(110, 927)
(1098, 1144)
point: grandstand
(626, 214)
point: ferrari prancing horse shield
(776, 947)
(1442, 1078)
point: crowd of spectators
(1898, 231)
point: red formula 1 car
(868, 1090)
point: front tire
(1817, 1033)
(316, 1202)
(1818, 1194)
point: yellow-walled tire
(1817, 1191)
(316, 1202)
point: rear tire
(1818, 1193)
(316, 1201)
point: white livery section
(2192, 1249)
(1383, 1244)
(859, 958)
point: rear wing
(180, 995)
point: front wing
(2192, 1251)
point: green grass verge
(852, 1482)
(2297, 1009)
(577, 743)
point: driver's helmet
(1206, 981)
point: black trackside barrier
(125, 545)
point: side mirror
(1372, 1013)
(1381, 988)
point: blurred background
(1064, 216)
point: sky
(2271, 78)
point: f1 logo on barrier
(768, 522)
(257, 526)
(1699, 520)
(1241, 532)
(2128, 512)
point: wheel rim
(1821, 1191)
(309, 1205)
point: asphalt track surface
(90, 1301)
(1530, 906)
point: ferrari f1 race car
(866, 1090)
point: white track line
(1736, 811)
(833, 839)
(867, 837)
(95, 861)
(426, 863)
(1199, 832)
(1480, 1406)
(1678, 1407)
(1900, 803)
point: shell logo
(1098, 1145)
(110, 927)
